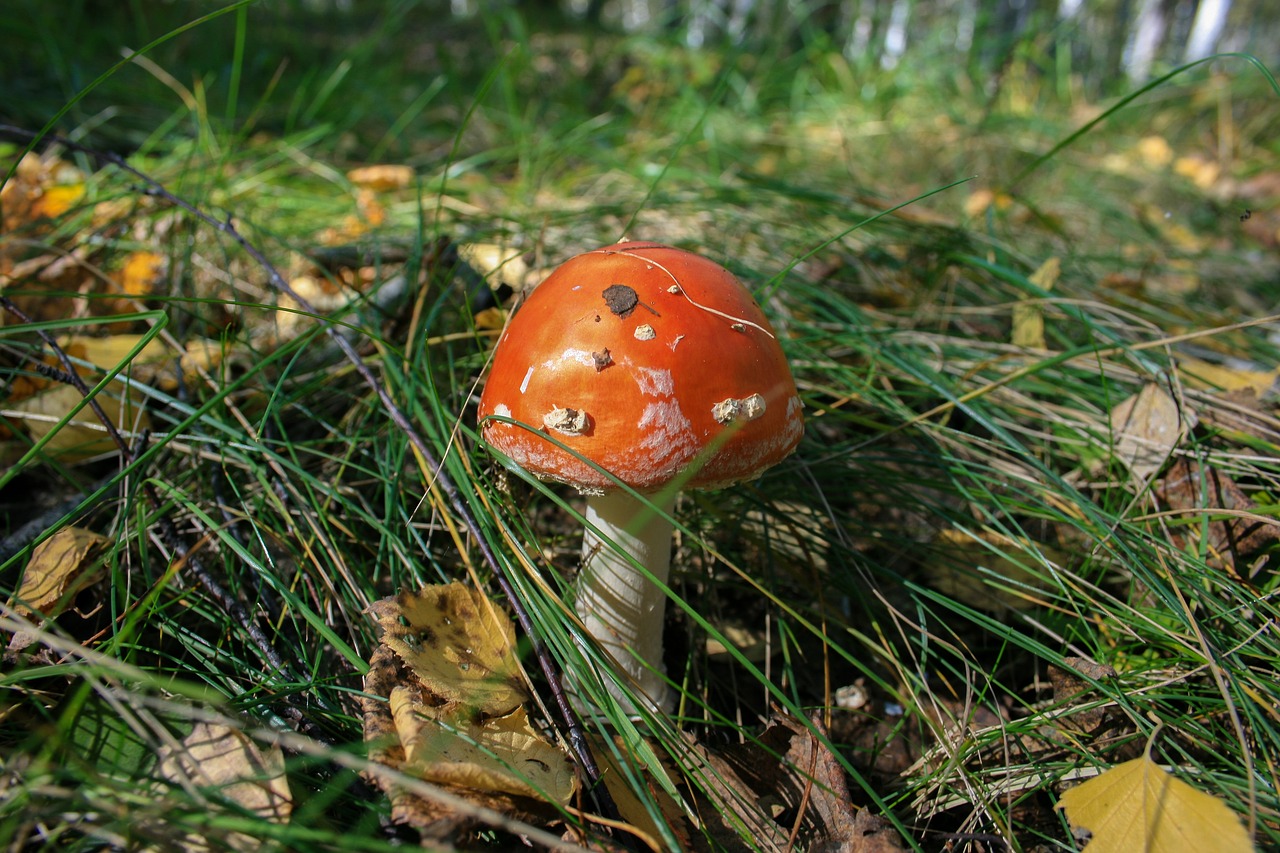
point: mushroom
(657, 366)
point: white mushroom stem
(620, 606)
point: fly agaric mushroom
(656, 365)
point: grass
(955, 525)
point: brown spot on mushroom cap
(652, 410)
(622, 300)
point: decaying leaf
(763, 784)
(60, 566)
(1147, 427)
(497, 754)
(1200, 490)
(221, 763)
(457, 644)
(1138, 806)
(453, 716)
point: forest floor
(1029, 535)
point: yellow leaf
(57, 200)
(141, 272)
(980, 200)
(1137, 806)
(1147, 427)
(1028, 317)
(84, 435)
(1154, 152)
(60, 566)
(1203, 374)
(457, 643)
(381, 178)
(499, 754)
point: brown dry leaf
(225, 764)
(457, 643)
(381, 178)
(1028, 316)
(501, 754)
(963, 558)
(1190, 486)
(1138, 806)
(763, 784)
(1147, 427)
(1069, 681)
(60, 566)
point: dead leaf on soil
(457, 644)
(381, 178)
(84, 435)
(503, 754)
(1138, 806)
(222, 763)
(1201, 490)
(59, 567)
(453, 716)
(1147, 427)
(1197, 373)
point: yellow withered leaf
(60, 566)
(1138, 806)
(501, 754)
(381, 178)
(84, 435)
(457, 643)
(1028, 316)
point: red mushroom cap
(647, 360)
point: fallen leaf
(59, 567)
(1199, 490)
(457, 643)
(1028, 315)
(980, 201)
(502, 754)
(1198, 373)
(381, 178)
(84, 435)
(1200, 170)
(1138, 806)
(141, 272)
(1154, 152)
(1147, 427)
(226, 764)
(502, 264)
